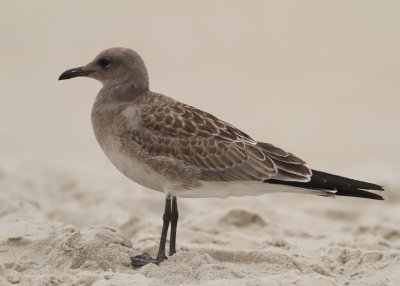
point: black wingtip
(344, 183)
(359, 194)
(343, 186)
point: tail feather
(342, 185)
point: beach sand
(60, 227)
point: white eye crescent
(104, 63)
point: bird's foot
(143, 259)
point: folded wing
(220, 151)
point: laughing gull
(177, 149)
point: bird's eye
(104, 63)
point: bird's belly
(137, 171)
(240, 189)
(132, 166)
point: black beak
(74, 73)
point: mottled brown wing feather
(220, 151)
(290, 167)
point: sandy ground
(61, 227)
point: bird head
(114, 67)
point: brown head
(112, 67)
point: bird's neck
(121, 92)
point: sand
(63, 227)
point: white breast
(132, 167)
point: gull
(181, 151)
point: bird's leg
(174, 223)
(166, 219)
(143, 259)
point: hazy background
(320, 79)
